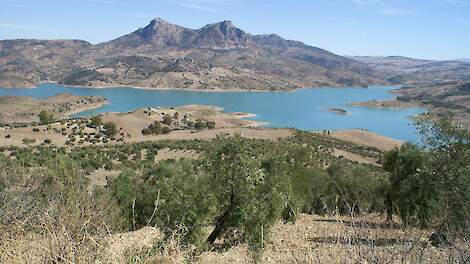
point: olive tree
(249, 196)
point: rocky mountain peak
(223, 35)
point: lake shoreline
(215, 90)
(305, 109)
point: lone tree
(247, 195)
(111, 129)
(46, 117)
(167, 120)
(96, 121)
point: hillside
(164, 55)
(399, 69)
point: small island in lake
(338, 111)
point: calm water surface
(303, 109)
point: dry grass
(312, 239)
(316, 239)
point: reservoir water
(305, 109)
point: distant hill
(399, 69)
(164, 55)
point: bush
(47, 141)
(46, 117)
(355, 188)
(110, 129)
(405, 194)
(155, 128)
(96, 121)
(210, 124)
(146, 131)
(199, 125)
(431, 185)
(28, 141)
(166, 130)
(172, 188)
(167, 120)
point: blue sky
(428, 29)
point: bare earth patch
(367, 138)
(339, 153)
(167, 154)
(101, 177)
(311, 239)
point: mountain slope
(163, 55)
(407, 70)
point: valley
(209, 144)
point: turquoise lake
(304, 109)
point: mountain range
(218, 56)
(163, 55)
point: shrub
(47, 141)
(199, 124)
(154, 128)
(46, 117)
(172, 188)
(28, 141)
(146, 131)
(405, 191)
(210, 124)
(96, 121)
(167, 120)
(166, 130)
(110, 129)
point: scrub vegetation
(237, 192)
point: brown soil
(354, 157)
(367, 138)
(311, 239)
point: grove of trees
(239, 188)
